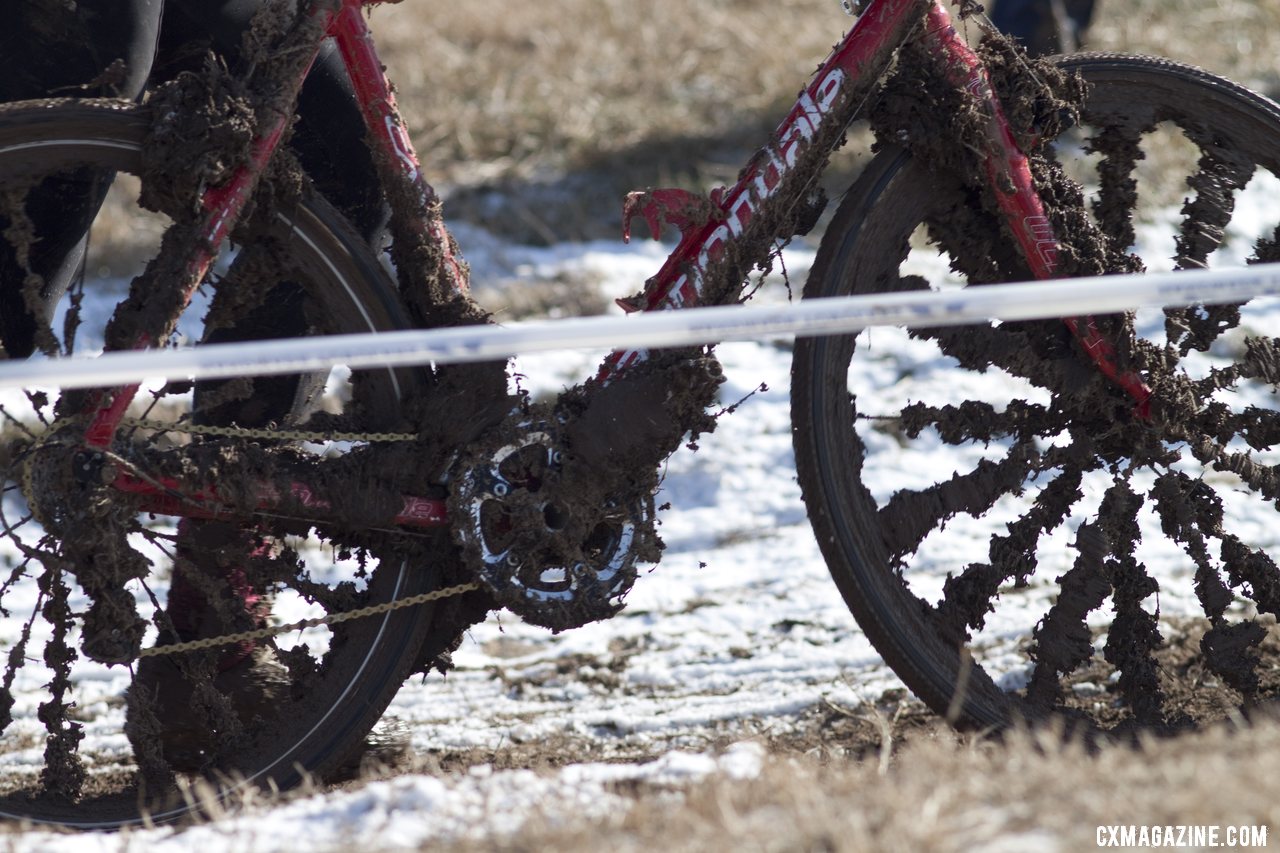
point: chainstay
(210, 430)
(330, 619)
(269, 434)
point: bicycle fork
(1008, 173)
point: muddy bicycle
(385, 510)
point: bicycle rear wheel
(1010, 536)
(67, 731)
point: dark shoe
(181, 733)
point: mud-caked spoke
(1187, 509)
(1198, 327)
(974, 420)
(1260, 361)
(1037, 352)
(1221, 174)
(63, 773)
(213, 706)
(1121, 149)
(1134, 635)
(1262, 478)
(144, 726)
(1267, 249)
(17, 575)
(1190, 512)
(18, 237)
(1015, 552)
(11, 528)
(968, 598)
(18, 425)
(1231, 650)
(912, 514)
(145, 730)
(72, 319)
(1252, 567)
(1259, 428)
(1063, 641)
(15, 660)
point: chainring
(555, 558)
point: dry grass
(940, 792)
(1239, 39)
(536, 118)
(492, 85)
(947, 793)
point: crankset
(554, 508)
(554, 553)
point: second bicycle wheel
(1013, 538)
(90, 736)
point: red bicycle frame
(865, 51)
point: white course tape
(1026, 301)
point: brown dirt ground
(535, 119)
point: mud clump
(942, 125)
(1039, 99)
(203, 132)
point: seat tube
(393, 153)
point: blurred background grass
(535, 118)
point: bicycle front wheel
(91, 736)
(1011, 536)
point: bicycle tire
(895, 587)
(368, 659)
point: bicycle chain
(269, 434)
(266, 433)
(328, 619)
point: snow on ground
(415, 811)
(740, 621)
(735, 636)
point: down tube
(700, 270)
